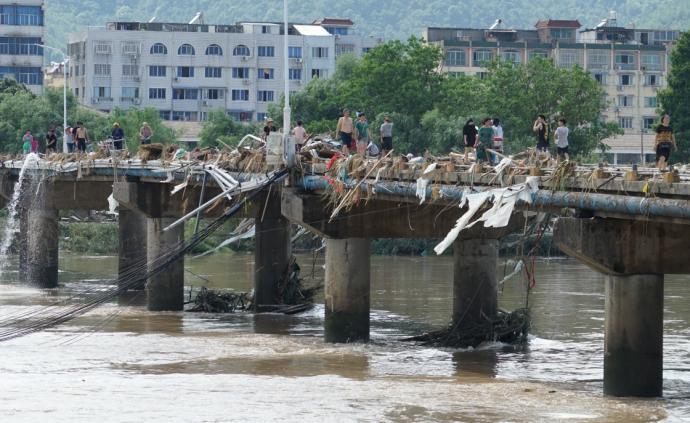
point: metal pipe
(201, 201)
(633, 206)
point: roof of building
(558, 23)
(313, 30)
(334, 21)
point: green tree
(222, 127)
(675, 99)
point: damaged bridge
(630, 225)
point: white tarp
(498, 216)
(423, 182)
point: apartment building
(630, 63)
(22, 31)
(186, 70)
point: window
(159, 48)
(625, 79)
(186, 116)
(511, 56)
(625, 122)
(240, 95)
(598, 60)
(600, 78)
(214, 50)
(212, 72)
(101, 92)
(101, 69)
(366, 50)
(266, 51)
(241, 50)
(455, 74)
(319, 73)
(158, 71)
(625, 101)
(130, 70)
(25, 75)
(265, 29)
(264, 96)
(625, 61)
(652, 80)
(341, 49)
(482, 75)
(561, 34)
(648, 122)
(185, 94)
(537, 54)
(240, 73)
(261, 117)
(130, 47)
(650, 102)
(651, 61)
(568, 59)
(241, 116)
(214, 94)
(455, 58)
(295, 74)
(21, 15)
(265, 73)
(130, 92)
(479, 57)
(185, 72)
(157, 93)
(185, 50)
(295, 52)
(24, 46)
(320, 52)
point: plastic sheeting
(423, 182)
(498, 216)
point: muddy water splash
(12, 224)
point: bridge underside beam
(382, 219)
(623, 247)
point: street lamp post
(65, 59)
(286, 63)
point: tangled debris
(509, 328)
(208, 301)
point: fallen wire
(24, 324)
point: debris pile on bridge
(508, 328)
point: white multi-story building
(631, 65)
(186, 70)
(21, 33)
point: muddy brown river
(120, 363)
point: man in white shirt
(300, 135)
(561, 136)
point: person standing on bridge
(498, 140)
(345, 130)
(469, 135)
(386, 134)
(363, 134)
(69, 135)
(541, 129)
(561, 136)
(27, 140)
(82, 136)
(145, 134)
(665, 140)
(51, 141)
(486, 138)
(118, 136)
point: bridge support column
(347, 290)
(164, 291)
(475, 291)
(272, 251)
(634, 256)
(132, 247)
(41, 247)
(633, 352)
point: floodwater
(120, 363)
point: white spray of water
(12, 224)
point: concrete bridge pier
(165, 290)
(273, 248)
(475, 289)
(132, 251)
(347, 290)
(634, 256)
(41, 250)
